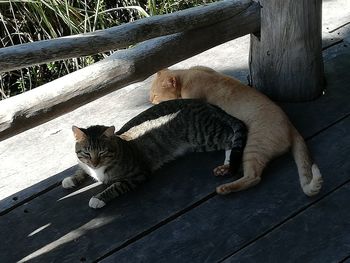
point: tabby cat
(270, 133)
(170, 129)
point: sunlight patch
(39, 229)
(86, 188)
(147, 126)
(92, 224)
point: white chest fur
(98, 174)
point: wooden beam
(286, 58)
(67, 93)
(122, 36)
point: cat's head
(94, 145)
(165, 86)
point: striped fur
(154, 137)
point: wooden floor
(176, 216)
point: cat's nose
(153, 99)
(94, 162)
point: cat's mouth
(95, 166)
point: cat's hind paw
(222, 170)
(96, 203)
(223, 190)
(68, 183)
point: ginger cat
(270, 133)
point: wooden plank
(223, 225)
(21, 197)
(71, 230)
(123, 36)
(341, 48)
(154, 204)
(336, 36)
(216, 58)
(62, 95)
(320, 234)
(335, 17)
(335, 14)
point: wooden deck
(176, 216)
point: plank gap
(344, 259)
(327, 127)
(30, 198)
(333, 44)
(335, 29)
(275, 227)
(155, 227)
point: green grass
(23, 21)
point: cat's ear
(109, 132)
(173, 82)
(78, 133)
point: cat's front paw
(68, 183)
(96, 203)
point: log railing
(187, 33)
(122, 36)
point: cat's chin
(95, 167)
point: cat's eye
(85, 154)
(103, 153)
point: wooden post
(286, 58)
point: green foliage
(23, 21)
(156, 7)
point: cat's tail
(309, 174)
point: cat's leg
(225, 168)
(256, 155)
(233, 162)
(75, 180)
(114, 190)
(233, 156)
(251, 177)
(254, 161)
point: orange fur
(270, 133)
